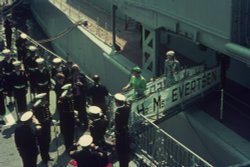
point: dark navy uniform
(42, 80)
(20, 85)
(42, 113)
(57, 67)
(26, 141)
(68, 72)
(79, 93)
(87, 158)
(121, 132)
(67, 118)
(30, 66)
(98, 128)
(2, 104)
(7, 68)
(8, 32)
(98, 92)
(21, 47)
(98, 125)
(60, 81)
(42, 76)
(89, 155)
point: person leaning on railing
(137, 82)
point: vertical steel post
(221, 103)
(114, 8)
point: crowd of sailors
(79, 103)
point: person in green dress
(137, 82)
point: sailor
(8, 32)
(137, 82)
(68, 71)
(2, 103)
(42, 76)
(57, 67)
(87, 156)
(98, 125)
(21, 46)
(66, 115)
(121, 129)
(30, 61)
(171, 68)
(80, 87)
(42, 113)
(30, 66)
(26, 141)
(98, 93)
(20, 86)
(100, 155)
(60, 81)
(7, 68)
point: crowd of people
(79, 103)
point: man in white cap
(21, 46)
(66, 115)
(57, 67)
(42, 75)
(42, 113)
(171, 67)
(88, 156)
(80, 87)
(7, 68)
(121, 129)
(26, 141)
(20, 86)
(30, 66)
(98, 125)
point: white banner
(178, 93)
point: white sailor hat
(120, 97)
(23, 36)
(85, 140)
(75, 67)
(53, 82)
(16, 63)
(95, 110)
(40, 95)
(57, 60)
(64, 93)
(6, 51)
(40, 60)
(32, 48)
(38, 102)
(170, 53)
(26, 116)
(66, 86)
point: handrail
(175, 140)
(175, 151)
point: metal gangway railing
(157, 148)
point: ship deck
(236, 115)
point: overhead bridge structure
(219, 26)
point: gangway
(161, 97)
(156, 146)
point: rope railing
(97, 27)
(159, 148)
(101, 28)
